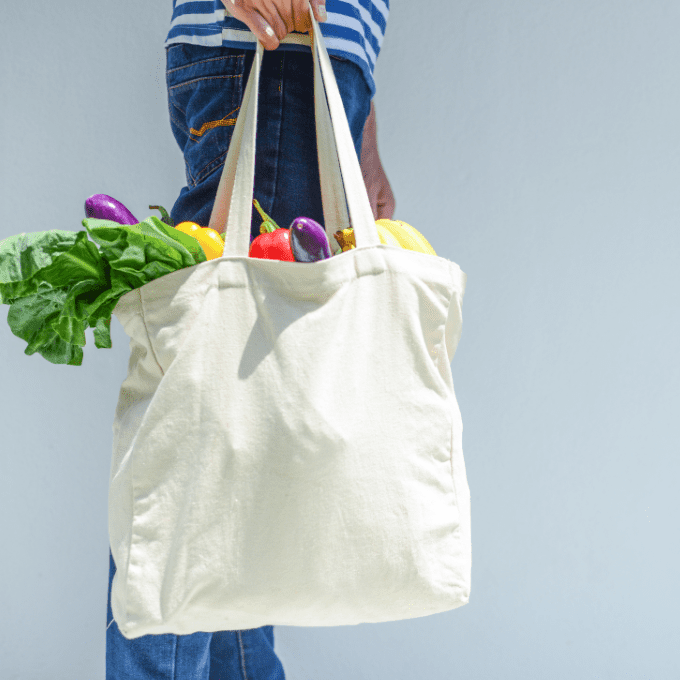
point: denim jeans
(205, 89)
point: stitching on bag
(132, 464)
(148, 337)
(243, 656)
(456, 495)
(444, 357)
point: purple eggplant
(104, 207)
(308, 240)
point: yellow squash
(392, 233)
(407, 236)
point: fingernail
(269, 31)
(321, 9)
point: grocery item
(390, 232)
(308, 240)
(210, 240)
(105, 207)
(273, 243)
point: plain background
(534, 143)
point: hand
(272, 20)
(377, 185)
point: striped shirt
(354, 29)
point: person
(209, 52)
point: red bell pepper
(273, 243)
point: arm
(377, 185)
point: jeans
(205, 89)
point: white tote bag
(287, 442)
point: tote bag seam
(461, 525)
(146, 330)
(132, 471)
(442, 352)
(133, 534)
(123, 625)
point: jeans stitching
(205, 61)
(177, 122)
(215, 123)
(109, 626)
(209, 168)
(199, 79)
(206, 127)
(191, 182)
(280, 116)
(174, 661)
(243, 656)
(173, 105)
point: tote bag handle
(338, 162)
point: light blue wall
(535, 144)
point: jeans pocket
(205, 90)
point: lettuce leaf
(24, 255)
(59, 283)
(31, 319)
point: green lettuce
(58, 283)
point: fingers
(386, 202)
(385, 209)
(301, 18)
(280, 21)
(256, 17)
(272, 20)
(263, 30)
(372, 191)
(380, 195)
(301, 15)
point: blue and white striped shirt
(354, 29)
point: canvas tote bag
(287, 441)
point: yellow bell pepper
(210, 240)
(392, 233)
